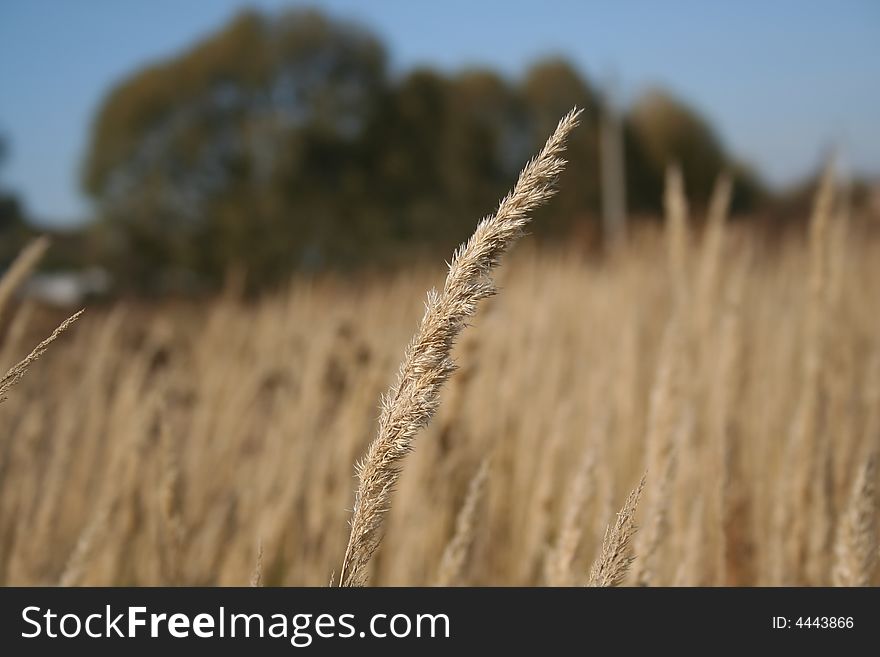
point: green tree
(191, 159)
(14, 230)
(551, 88)
(662, 130)
(667, 131)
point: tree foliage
(14, 231)
(283, 142)
(665, 130)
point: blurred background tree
(664, 129)
(282, 143)
(14, 230)
(238, 152)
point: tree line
(284, 142)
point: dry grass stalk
(85, 547)
(17, 371)
(21, 267)
(649, 541)
(454, 559)
(561, 558)
(611, 567)
(540, 507)
(17, 327)
(734, 539)
(691, 565)
(856, 547)
(257, 575)
(839, 380)
(805, 451)
(664, 423)
(427, 363)
(626, 382)
(711, 255)
(871, 399)
(170, 504)
(677, 233)
(667, 393)
(838, 236)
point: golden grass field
(181, 444)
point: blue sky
(782, 81)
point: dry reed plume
(560, 570)
(427, 363)
(17, 371)
(257, 575)
(455, 555)
(613, 563)
(856, 548)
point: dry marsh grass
(213, 444)
(427, 363)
